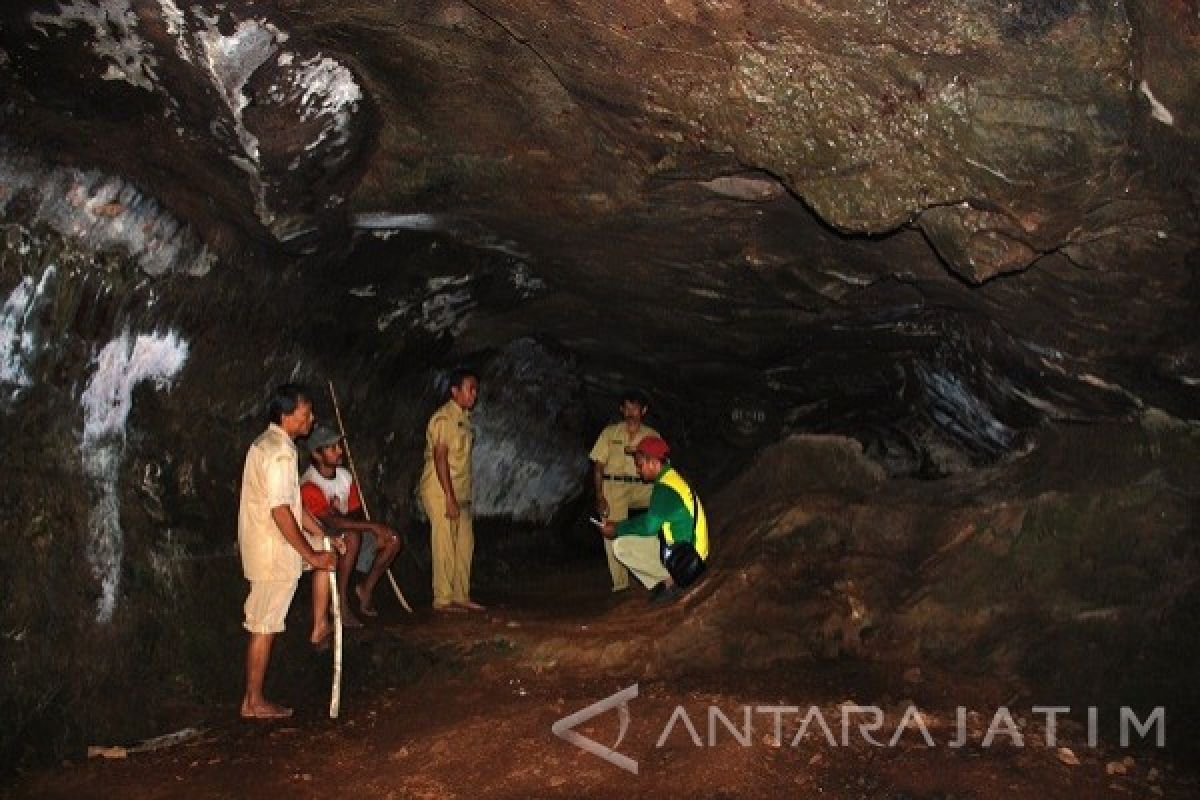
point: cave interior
(913, 292)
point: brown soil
(471, 717)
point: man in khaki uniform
(619, 487)
(270, 542)
(446, 494)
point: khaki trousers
(641, 555)
(617, 570)
(620, 496)
(452, 546)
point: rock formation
(939, 236)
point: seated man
(330, 494)
(674, 511)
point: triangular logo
(620, 701)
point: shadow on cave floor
(462, 706)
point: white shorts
(267, 605)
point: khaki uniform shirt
(269, 479)
(450, 425)
(610, 450)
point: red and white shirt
(321, 495)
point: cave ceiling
(881, 217)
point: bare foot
(319, 635)
(349, 620)
(450, 608)
(471, 605)
(364, 602)
(264, 710)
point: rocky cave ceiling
(929, 225)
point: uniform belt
(624, 479)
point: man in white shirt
(270, 541)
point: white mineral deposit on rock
(115, 38)
(103, 212)
(18, 341)
(121, 365)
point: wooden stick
(337, 411)
(335, 694)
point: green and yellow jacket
(675, 510)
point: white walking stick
(337, 411)
(335, 694)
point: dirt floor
(462, 706)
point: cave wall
(129, 396)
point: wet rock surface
(678, 154)
(955, 245)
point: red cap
(654, 447)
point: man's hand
(452, 509)
(339, 544)
(598, 481)
(290, 529)
(608, 530)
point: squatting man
(675, 519)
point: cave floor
(462, 706)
